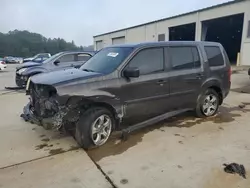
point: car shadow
(116, 146)
(244, 89)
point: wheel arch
(215, 85)
(86, 104)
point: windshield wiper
(88, 70)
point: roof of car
(145, 44)
(88, 52)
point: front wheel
(208, 104)
(94, 127)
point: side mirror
(131, 72)
(56, 62)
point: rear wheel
(94, 127)
(208, 104)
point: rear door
(186, 76)
(65, 61)
(219, 66)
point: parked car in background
(58, 61)
(136, 85)
(2, 64)
(19, 60)
(10, 60)
(38, 58)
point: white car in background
(2, 65)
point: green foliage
(26, 44)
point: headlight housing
(21, 70)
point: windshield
(53, 57)
(107, 60)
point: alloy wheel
(210, 105)
(101, 130)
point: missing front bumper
(47, 123)
(21, 80)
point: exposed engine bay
(46, 108)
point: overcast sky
(79, 20)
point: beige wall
(245, 44)
(149, 32)
(137, 34)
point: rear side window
(214, 56)
(67, 58)
(83, 57)
(184, 57)
(148, 61)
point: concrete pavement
(180, 152)
(33, 157)
(71, 169)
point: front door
(146, 96)
(65, 61)
(185, 76)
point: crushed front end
(20, 79)
(45, 107)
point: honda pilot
(127, 87)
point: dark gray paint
(147, 96)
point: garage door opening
(118, 40)
(183, 32)
(99, 45)
(227, 31)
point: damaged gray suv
(128, 87)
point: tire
(90, 120)
(207, 98)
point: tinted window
(67, 58)
(38, 59)
(148, 61)
(196, 57)
(43, 55)
(83, 57)
(214, 56)
(182, 57)
(52, 58)
(107, 59)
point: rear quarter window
(214, 56)
(184, 57)
(83, 57)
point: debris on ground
(242, 106)
(15, 88)
(235, 168)
(221, 128)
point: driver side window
(67, 58)
(148, 61)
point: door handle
(161, 81)
(199, 76)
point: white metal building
(203, 24)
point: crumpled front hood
(63, 76)
(28, 64)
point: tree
(26, 44)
